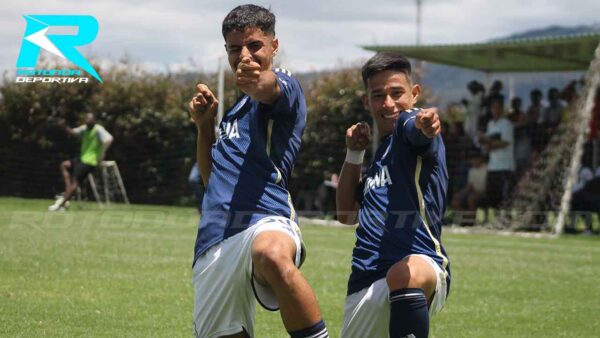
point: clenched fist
(247, 75)
(358, 137)
(203, 106)
(428, 121)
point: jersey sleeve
(406, 127)
(291, 101)
(103, 134)
(79, 130)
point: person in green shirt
(95, 141)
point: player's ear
(365, 102)
(275, 45)
(416, 91)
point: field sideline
(126, 271)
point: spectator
(536, 106)
(473, 108)
(585, 199)
(551, 115)
(499, 143)
(456, 160)
(522, 127)
(470, 196)
(495, 94)
(325, 195)
(325, 198)
(516, 111)
(534, 112)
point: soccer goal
(542, 197)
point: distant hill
(552, 31)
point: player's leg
(224, 304)
(367, 312)
(70, 192)
(65, 166)
(273, 254)
(473, 200)
(412, 284)
(65, 169)
(80, 172)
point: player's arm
(260, 85)
(492, 144)
(106, 138)
(203, 109)
(358, 138)
(505, 139)
(423, 127)
(71, 131)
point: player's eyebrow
(396, 88)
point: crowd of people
(493, 146)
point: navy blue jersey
(403, 199)
(252, 161)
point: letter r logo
(36, 37)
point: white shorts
(224, 291)
(367, 312)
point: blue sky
(314, 35)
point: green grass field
(126, 271)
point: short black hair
(385, 61)
(497, 99)
(249, 16)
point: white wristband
(355, 156)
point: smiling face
(252, 43)
(389, 92)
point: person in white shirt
(473, 108)
(499, 143)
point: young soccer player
(400, 272)
(249, 247)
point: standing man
(249, 247)
(499, 142)
(400, 273)
(95, 141)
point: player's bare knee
(398, 276)
(273, 264)
(65, 164)
(411, 273)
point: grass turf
(126, 271)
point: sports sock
(409, 316)
(319, 330)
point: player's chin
(387, 126)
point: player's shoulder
(284, 71)
(287, 79)
(285, 75)
(99, 127)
